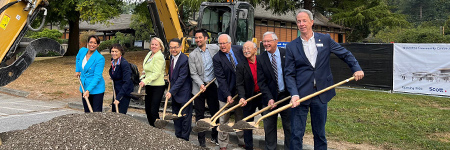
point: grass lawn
(391, 121)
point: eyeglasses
(222, 43)
(268, 41)
(174, 47)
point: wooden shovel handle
(195, 96)
(236, 106)
(165, 103)
(266, 108)
(139, 90)
(114, 93)
(304, 99)
(87, 100)
(221, 109)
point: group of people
(300, 69)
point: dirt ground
(54, 79)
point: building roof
(121, 22)
(319, 19)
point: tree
(364, 17)
(71, 12)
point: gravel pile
(93, 131)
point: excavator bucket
(12, 71)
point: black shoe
(202, 145)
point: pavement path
(18, 113)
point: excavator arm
(15, 20)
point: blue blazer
(300, 75)
(91, 76)
(225, 73)
(122, 79)
(180, 81)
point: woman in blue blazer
(89, 67)
(120, 73)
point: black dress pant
(123, 105)
(182, 125)
(210, 95)
(152, 102)
(249, 109)
(96, 101)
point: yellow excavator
(16, 17)
(233, 18)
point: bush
(106, 44)
(421, 34)
(51, 34)
(126, 40)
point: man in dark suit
(307, 71)
(272, 84)
(202, 72)
(247, 86)
(225, 62)
(180, 89)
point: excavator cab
(235, 19)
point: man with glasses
(202, 72)
(247, 86)
(272, 85)
(225, 62)
(180, 88)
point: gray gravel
(93, 131)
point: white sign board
(422, 68)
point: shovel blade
(160, 123)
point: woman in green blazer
(153, 78)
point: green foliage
(425, 33)
(141, 22)
(365, 17)
(126, 40)
(419, 11)
(51, 34)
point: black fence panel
(376, 60)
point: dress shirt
(175, 59)
(207, 65)
(253, 67)
(279, 69)
(310, 49)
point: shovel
(213, 123)
(114, 93)
(254, 125)
(240, 125)
(87, 100)
(138, 94)
(173, 117)
(206, 122)
(161, 123)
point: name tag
(319, 44)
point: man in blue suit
(180, 89)
(225, 62)
(308, 70)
